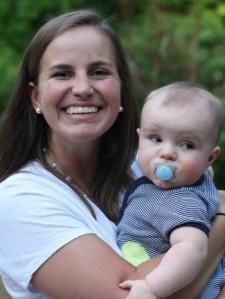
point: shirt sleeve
(186, 209)
(37, 217)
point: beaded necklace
(67, 178)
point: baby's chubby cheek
(149, 171)
(190, 173)
(144, 163)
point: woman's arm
(222, 293)
(88, 268)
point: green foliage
(165, 41)
(3, 294)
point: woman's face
(79, 87)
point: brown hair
(23, 133)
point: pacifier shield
(164, 172)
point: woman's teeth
(80, 110)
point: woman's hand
(222, 293)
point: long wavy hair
(23, 133)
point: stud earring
(120, 109)
(38, 110)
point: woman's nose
(82, 87)
(168, 153)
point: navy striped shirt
(149, 214)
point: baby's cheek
(191, 171)
(146, 167)
(143, 158)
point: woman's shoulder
(32, 176)
(33, 187)
(33, 167)
(33, 190)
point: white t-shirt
(38, 215)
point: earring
(120, 109)
(38, 110)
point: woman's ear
(138, 131)
(33, 92)
(214, 155)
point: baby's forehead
(187, 118)
(174, 99)
(162, 102)
(189, 106)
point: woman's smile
(78, 114)
(81, 110)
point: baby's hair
(184, 92)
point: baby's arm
(180, 265)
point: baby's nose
(168, 153)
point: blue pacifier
(164, 172)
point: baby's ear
(214, 155)
(138, 131)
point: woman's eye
(100, 72)
(62, 75)
(155, 139)
(187, 145)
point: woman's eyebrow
(68, 66)
(59, 66)
(101, 62)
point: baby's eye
(155, 138)
(187, 145)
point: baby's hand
(138, 289)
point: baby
(170, 209)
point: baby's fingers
(127, 284)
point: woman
(66, 146)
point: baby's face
(177, 136)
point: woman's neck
(78, 163)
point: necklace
(67, 178)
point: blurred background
(165, 41)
